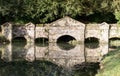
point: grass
(110, 64)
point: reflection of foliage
(38, 68)
(110, 65)
(86, 69)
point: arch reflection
(41, 41)
(92, 42)
(114, 42)
(53, 53)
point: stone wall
(100, 31)
(62, 27)
(41, 32)
(7, 30)
(30, 32)
(66, 26)
(114, 31)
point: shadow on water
(47, 68)
(19, 42)
(86, 69)
(42, 68)
(41, 42)
(92, 43)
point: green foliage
(116, 7)
(44, 11)
(117, 16)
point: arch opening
(65, 42)
(65, 39)
(41, 41)
(19, 41)
(92, 42)
(114, 42)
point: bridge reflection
(53, 53)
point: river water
(29, 59)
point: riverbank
(110, 65)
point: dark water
(29, 59)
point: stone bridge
(53, 53)
(61, 29)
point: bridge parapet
(41, 32)
(100, 31)
(18, 31)
(64, 26)
(7, 30)
(114, 31)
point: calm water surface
(51, 59)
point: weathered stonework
(100, 31)
(96, 54)
(30, 32)
(53, 31)
(65, 58)
(65, 26)
(11, 31)
(114, 31)
(41, 32)
(7, 31)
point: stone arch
(92, 42)
(65, 38)
(64, 42)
